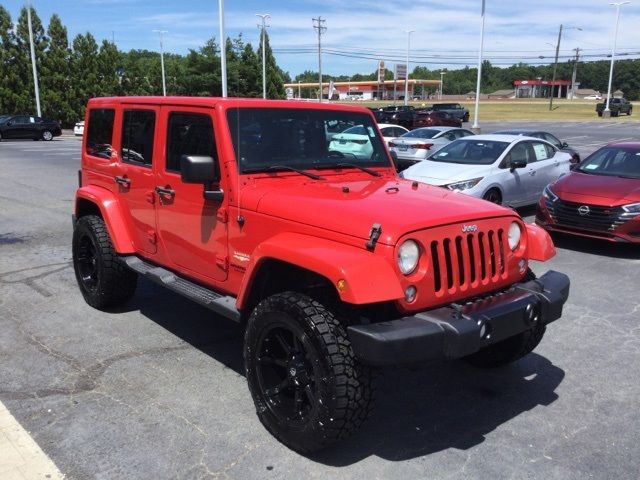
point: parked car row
(438, 114)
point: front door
(193, 231)
(546, 168)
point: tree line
(71, 72)
(461, 81)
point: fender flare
(109, 207)
(540, 244)
(369, 276)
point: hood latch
(374, 235)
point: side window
(20, 120)
(450, 136)
(137, 136)
(519, 153)
(189, 134)
(100, 132)
(540, 152)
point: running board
(221, 304)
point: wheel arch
(93, 200)
(289, 257)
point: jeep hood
(353, 206)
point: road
(155, 390)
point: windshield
(303, 138)
(422, 133)
(471, 152)
(621, 162)
(4, 118)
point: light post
(475, 127)
(164, 85)
(406, 76)
(264, 17)
(555, 64)
(607, 112)
(299, 96)
(33, 60)
(442, 74)
(223, 49)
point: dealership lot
(155, 390)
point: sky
(446, 32)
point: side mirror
(201, 169)
(565, 144)
(197, 169)
(9, 123)
(517, 164)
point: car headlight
(548, 194)
(465, 185)
(631, 209)
(513, 235)
(408, 255)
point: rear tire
(308, 388)
(493, 195)
(510, 349)
(103, 279)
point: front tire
(47, 136)
(103, 279)
(308, 388)
(494, 196)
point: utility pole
(318, 24)
(607, 112)
(164, 85)
(575, 72)
(264, 17)
(33, 60)
(476, 127)
(223, 49)
(406, 75)
(555, 68)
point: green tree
(55, 78)
(275, 76)
(108, 62)
(85, 71)
(8, 78)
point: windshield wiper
(283, 167)
(628, 176)
(364, 169)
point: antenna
(318, 24)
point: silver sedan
(507, 169)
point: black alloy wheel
(87, 263)
(308, 388)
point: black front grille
(585, 216)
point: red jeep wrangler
(333, 263)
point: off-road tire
(47, 136)
(112, 283)
(510, 349)
(629, 112)
(342, 387)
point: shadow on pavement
(419, 410)
(597, 247)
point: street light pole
(33, 60)
(223, 49)
(555, 68)
(406, 75)
(607, 112)
(476, 127)
(575, 73)
(264, 17)
(164, 85)
(442, 74)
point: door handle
(532, 172)
(124, 181)
(165, 192)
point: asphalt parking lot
(155, 390)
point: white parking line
(20, 456)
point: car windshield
(421, 133)
(613, 161)
(4, 118)
(471, 152)
(303, 139)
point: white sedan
(506, 169)
(418, 144)
(390, 132)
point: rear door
(545, 167)
(193, 230)
(18, 127)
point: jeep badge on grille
(469, 228)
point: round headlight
(408, 255)
(514, 235)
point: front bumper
(459, 330)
